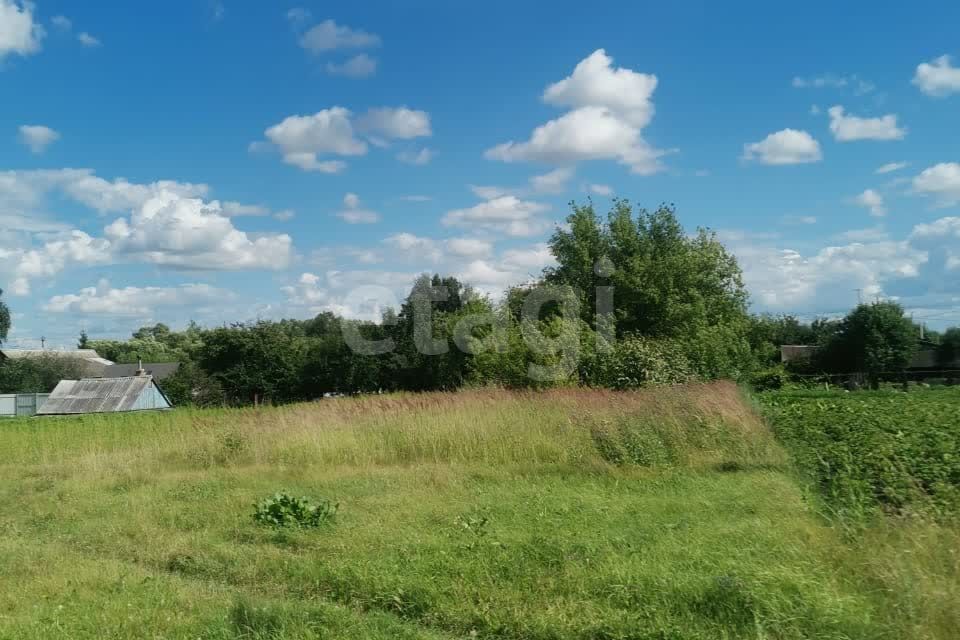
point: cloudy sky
(226, 160)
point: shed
(104, 395)
(159, 370)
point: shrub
(284, 510)
(770, 379)
(637, 361)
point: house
(159, 370)
(105, 395)
(93, 365)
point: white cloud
(609, 108)
(359, 66)
(134, 301)
(38, 137)
(594, 83)
(601, 189)
(833, 81)
(301, 138)
(415, 198)
(552, 182)
(88, 40)
(418, 158)
(239, 209)
(73, 248)
(328, 36)
(941, 181)
(61, 22)
(891, 167)
(506, 214)
(19, 34)
(469, 247)
(846, 128)
(354, 214)
(396, 123)
(788, 146)
(873, 201)
(411, 246)
(188, 233)
(938, 77)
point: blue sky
(223, 161)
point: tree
(873, 339)
(84, 341)
(666, 284)
(948, 353)
(4, 319)
(38, 375)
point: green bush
(285, 510)
(770, 379)
(637, 361)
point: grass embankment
(574, 514)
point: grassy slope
(139, 526)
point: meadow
(663, 514)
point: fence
(18, 405)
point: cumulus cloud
(552, 182)
(601, 189)
(359, 66)
(873, 201)
(410, 246)
(302, 140)
(37, 137)
(353, 213)
(938, 77)
(788, 146)
(61, 22)
(134, 301)
(167, 228)
(941, 182)
(506, 214)
(20, 34)
(847, 128)
(609, 109)
(328, 36)
(399, 123)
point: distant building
(104, 395)
(93, 364)
(159, 370)
(923, 360)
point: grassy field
(667, 514)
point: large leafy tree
(874, 338)
(4, 319)
(665, 282)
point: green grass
(664, 514)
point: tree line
(633, 300)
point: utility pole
(43, 342)
(859, 296)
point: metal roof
(104, 395)
(80, 354)
(159, 370)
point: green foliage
(38, 375)
(879, 450)
(770, 379)
(192, 386)
(285, 510)
(636, 362)
(4, 319)
(948, 353)
(873, 338)
(666, 284)
(769, 332)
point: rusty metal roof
(104, 395)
